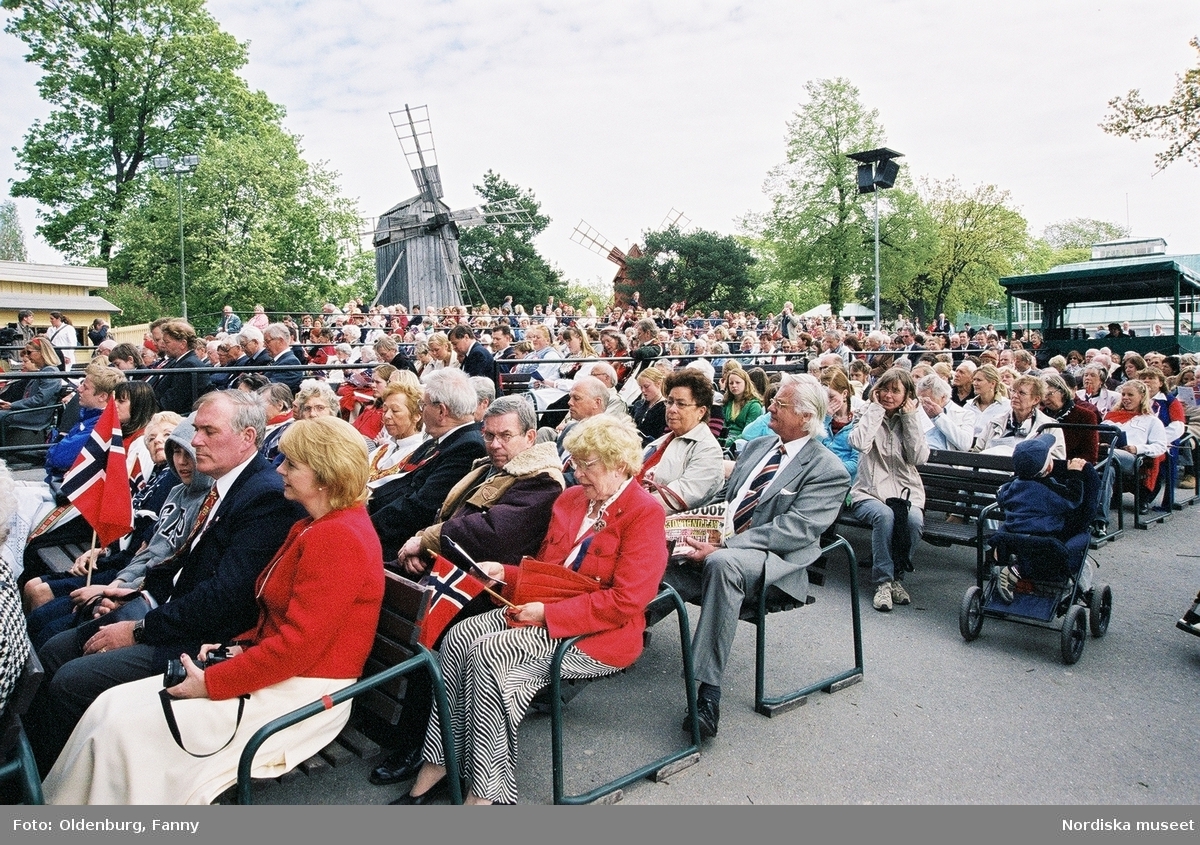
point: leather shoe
(441, 789)
(399, 766)
(708, 713)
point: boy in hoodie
(1040, 501)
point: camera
(176, 673)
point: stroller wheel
(1100, 609)
(1074, 634)
(970, 614)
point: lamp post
(877, 170)
(186, 164)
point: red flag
(97, 484)
(452, 589)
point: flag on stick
(97, 484)
(452, 589)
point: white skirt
(122, 751)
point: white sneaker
(899, 594)
(883, 597)
(1005, 582)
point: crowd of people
(270, 498)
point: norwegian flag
(452, 589)
(98, 482)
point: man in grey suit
(783, 493)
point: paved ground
(936, 720)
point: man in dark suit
(783, 493)
(388, 351)
(278, 340)
(251, 340)
(204, 594)
(503, 350)
(178, 391)
(401, 508)
(474, 357)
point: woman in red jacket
(319, 602)
(606, 528)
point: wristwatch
(139, 631)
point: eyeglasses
(676, 403)
(584, 465)
(503, 436)
(775, 403)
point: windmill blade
(675, 218)
(509, 211)
(590, 239)
(415, 133)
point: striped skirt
(492, 673)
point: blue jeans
(881, 519)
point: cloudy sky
(615, 112)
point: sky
(616, 112)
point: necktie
(197, 529)
(745, 511)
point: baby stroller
(1055, 580)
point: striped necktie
(745, 511)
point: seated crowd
(269, 502)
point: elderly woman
(402, 434)
(1059, 403)
(319, 602)
(315, 399)
(607, 528)
(1144, 435)
(684, 468)
(888, 436)
(38, 355)
(1094, 391)
(1024, 420)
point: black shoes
(439, 790)
(399, 766)
(708, 713)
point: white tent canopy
(851, 309)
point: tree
(977, 237)
(137, 304)
(126, 79)
(261, 225)
(1177, 121)
(701, 269)
(12, 238)
(818, 226)
(500, 256)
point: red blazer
(629, 557)
(319, 607)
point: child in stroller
(1047, 498)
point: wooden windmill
(416, 242)
(587, 237)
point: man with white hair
(784, 492)
(946, 425)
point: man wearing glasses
(783, 493)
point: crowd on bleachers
(263, 455)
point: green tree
(125, 79)
(137, 304)
(818, 226)
(977, 237)
(12, 238)
(500, 256)
(1176, 121)
(261, 225)
(702, 269)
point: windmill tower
(590, 239)
(416, 241)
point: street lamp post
(877, 170)
(186, 164)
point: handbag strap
(169, 711)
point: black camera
(176, 674)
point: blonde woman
(741, 406)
